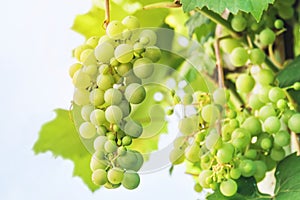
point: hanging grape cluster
(108, 84)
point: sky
(36, 43)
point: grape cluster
(108, 83)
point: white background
(35, 53)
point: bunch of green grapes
(108, 82)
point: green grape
(271, 164)
(247, 167)
(99, 143)
(279, 24)
(275, 94)
(238, 23)
(87, 57)
(263, 94)
(296, 86)
(286, 2)
(266, 111)
(210, 113)
(251, 154)
(265, 77)
(272, 124)
(114, 30)
(99, 177)
(149, 36)
(253, 125)
(124, 68)
(131, 22)
(198, 188)
(204, 174)
(212, 140)
(139, 161)
(135, 93)
(87, 130)
(115, 175)
(235, 173)
(187, 125)
(261, 169)
(177, 156)
(105, 81)
(97, 97)
(226, 132)
(187, 99)
(277, 154)
(124, 53)
(74, 68)
(93, 41)
(240, 138)
(109, 185)
(81, 80)
(125, 107)
(81, 97)
(245, 83)
(282, 104)
(254, 102)
(153, 53)
(180, 142)
(257, 56)
(97, 117)
(121, 150)
(131, 180)
(143, 68)
(229, 44)
(131, 78)
(220, 96)
(78, 50)
(110, 146)
(97, 163)
(294, 123)
(282, 138)
(113, 96)
(267, 37)
(126, 140)
(138, 48)
(86, 111)
(90, 70)
(228, 188)
(266, 143)
(225, 153)
(129, 161)
(133, 129)
(104, 52)
(286, 12)
(104, 69)
(287, 114)
(239, 57)
(192, 153)
(113, 114)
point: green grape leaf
(60, 137)
(247, 190)
(199, 25)
(288, 178)
(254, 7)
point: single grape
(87, 130)
(124, 68)
(277, 154)
(97, 117)
(275, 94)
(286, 12)
(254, 102)
(97, 97)
(126, 140)
(251, 154)
(104, 52)
(97, 163)
(131, 22)
(130, 77)
(245, 83)
(239, 57)
(198, 188)
(115, 175)
(272, 124)
(253, 125)
(282, 104)
(279, 24)
(192, 153)
(114, 30)
(247, 167)
(225, 153)
(153, 53)
(296, 86)
(204, 174)
(113, 114)
(143, 68)
(265, 77)
(113, 96)
(124, 53)
(93, 41)
(81, 97)
(294, 123)
(228, 188)
(99, 143)
(263, 94)
(287, 114)
(177, 156)
(74, 68)
(133, 129)
(266, 111)
(229, 44)
(240, 138)
(187, 125)
(86, 111)
(238, 23)
(187, 99)
(132, 160)
(267, 37)
(91, 70)
(212, 140)
(110, 146)
(220, 96)
(266, 143)
(261, 169)
(99, 177)
(149, 36)
(210, 113)
(235, 173)
(257, 56)
(135, 93)
(81, 80)
(131, 180)
(105, 81)
(87, 57)
(282, 138)
(78, 50)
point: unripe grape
(177, 156)
(143, 68)
(113, 114)
(282, 104)
(97, 117)
(124, 53)
(125, 107)
(81, 97)
(229, 44)
(272, 124)
(210, 113)
(81, 80)
(126, 140)
(282, 138)
(212, 140)
(97, 163)
(133, 129)
(99, 177)
(114, 30)
(113, 96)
(286, 12)
(97, 97)
(267, 37)
(86, 112)
(198, 188)
(265, 77)
(277, 154)
(131, 180)
(87, 57)
(257, 56)
(153, 53)
(105, 81)
(261, 169)
(87, 130)
(225, 153)
(115, 175)
(131, 22)
(275, 94)
(192, 153)
(104, 52)
(235, 173)
(287, 114)
(74, 68)
(245, 83)
(99, 143)
(247, 167)
(253, 125)
(266, 143)
(296, 86)
(294, 123)
(135, 93)
(254, 102)
(123, 69)
(90, 70)
(278, 24)
(149, 36)
(204, 174)
(263, 94)
(228, 188)
(93, 41)
(266, 111)
(187, 99)
(220, 96)
(239, 56)
(251, 154)
(187, 125)
(240, 138)
(238, 23)
(78, 50)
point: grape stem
(175, 4)
(107, 14)
(272, 57)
